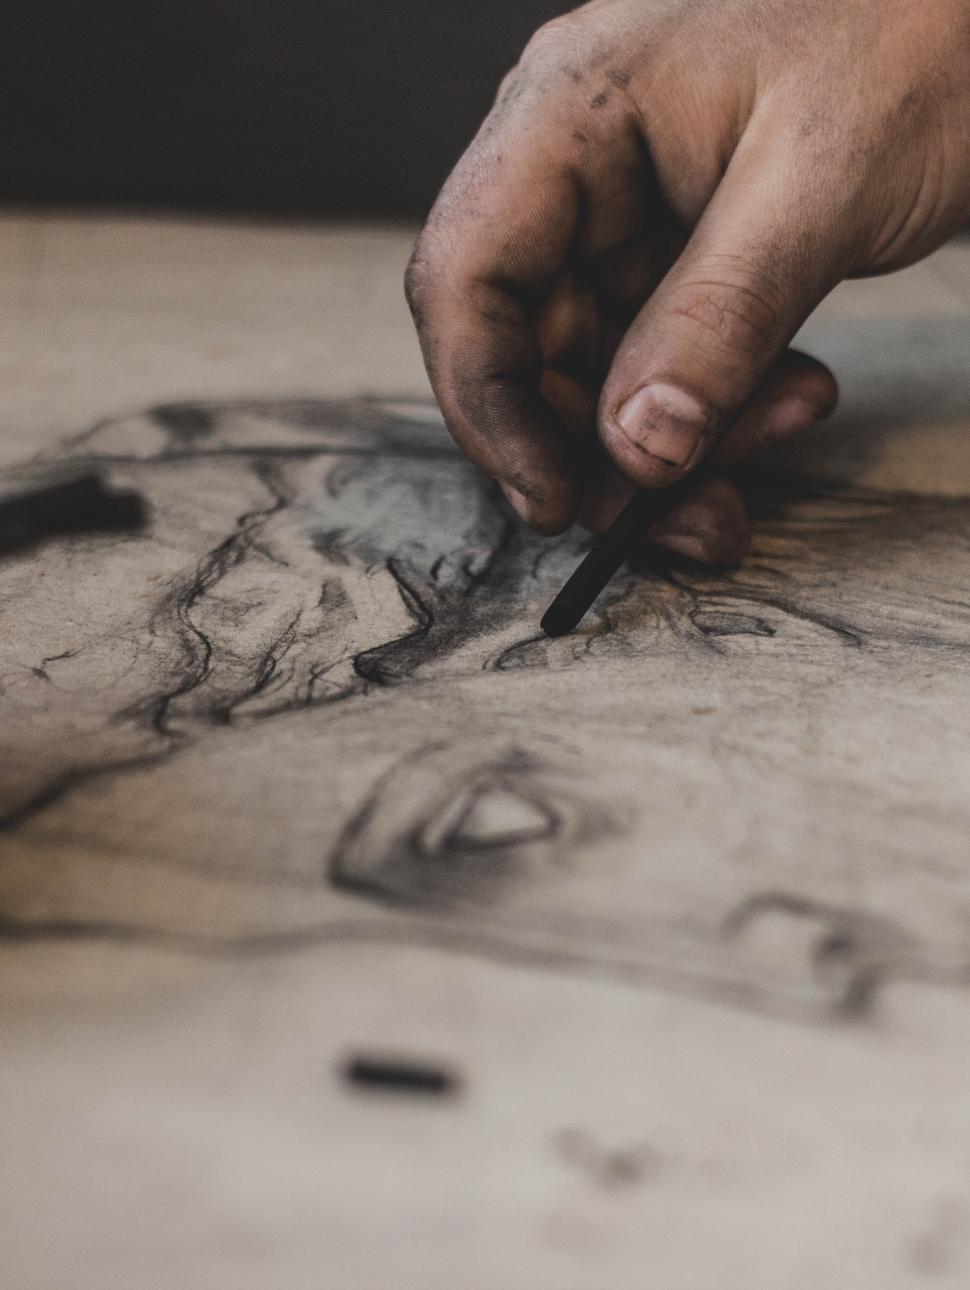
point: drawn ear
(807, 946)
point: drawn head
(327, 649)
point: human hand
(663, 192)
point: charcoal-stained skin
(608, 284)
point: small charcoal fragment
(394, 1074)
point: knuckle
(553, 42)
(416, 279)
(508, 84)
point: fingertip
(801, 380)
(814, 384)
(709, 545)
(798, 393)
(692, 545)
(712, 526)
(657, 434)
(802, 406)
(807, 399)
(639, 467)
(548, 514)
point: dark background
(289, 107)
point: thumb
(768, 248)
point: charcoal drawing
(312, 701)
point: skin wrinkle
(717, 309)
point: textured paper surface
(683, 896)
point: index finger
(495, 242)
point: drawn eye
(721, 623)
(484, 817)
(456, 825)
